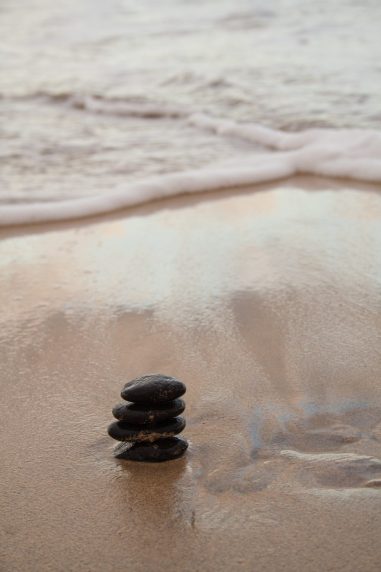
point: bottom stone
(157, 452)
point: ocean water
(105, 104)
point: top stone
(153, 388)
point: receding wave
(349, 153)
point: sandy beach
(266, 303)
(192, 189)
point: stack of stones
(148, 424)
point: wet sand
(267, 305)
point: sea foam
(349, 153)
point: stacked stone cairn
(147, 425)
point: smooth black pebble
(152, 389)
(143, 414)
(161, 450)
(123, 431)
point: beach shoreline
(265, 302)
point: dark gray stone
(157, 452)
(143, 414)
(152, 389)
(123, 431)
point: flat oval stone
(157, 452)
(123, 431)
(153, 388)
(143, 414)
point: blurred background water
(94, 93)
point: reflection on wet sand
(267, 306)
(157, 497)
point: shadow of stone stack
(147, 425)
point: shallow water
(94, 94)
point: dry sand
(267, 304)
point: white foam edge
(348, 153)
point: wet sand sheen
(267, 305)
